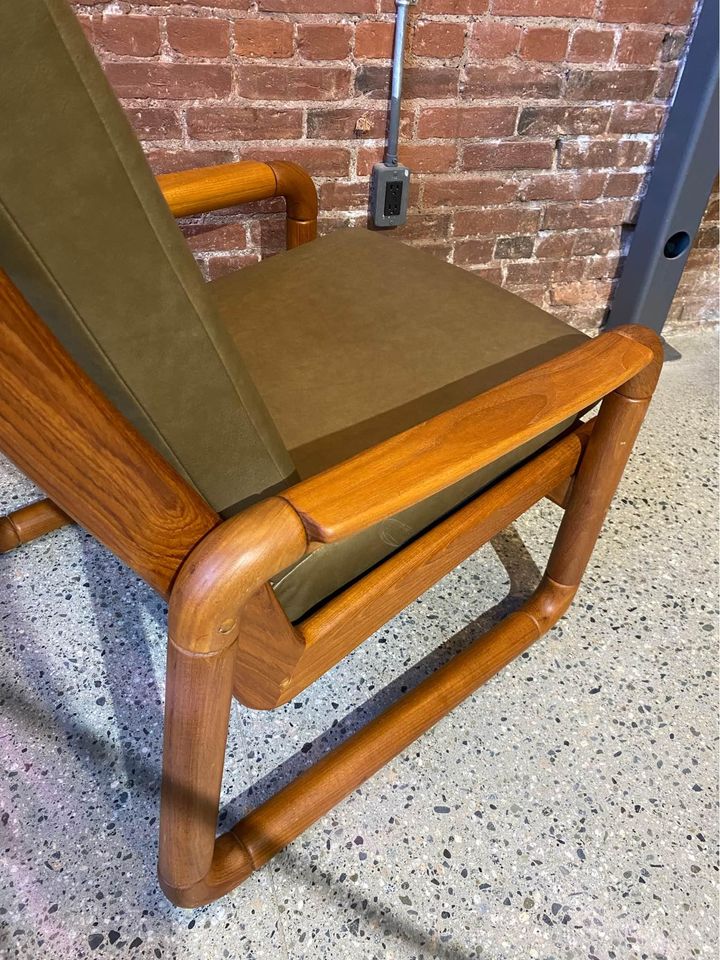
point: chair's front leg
(206, 604)
(601, 468)
(197, 710)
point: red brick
(270, 82)
(533, 293)
(543, 271)
(467, 192)
(470, 252)
(458, 8)
(591, 46)
(675, 12)
(511, 80)
(707, 237)
(673, 46)
(244, 123)
(508, 155)
(595, 243)
(169, 81)
(169, 161)
(494, 40)
(623, 184)
(554, 186)
(431, 158)
(636, 118)
(216, 238)
(431, 82)
(462, 122)
(581, 292)
(666, 82)
(495, 221)
(324, 41)
(640, 46)
(574, 215)
(544, 8)
(424, 226)
(436, 39)
(374, 39)
(316, 6)
(489, 273)
(544, 43)
(318, 161)
(128, 35)
(556, 246)
(87, 23)
(611, 84)
(263, 38)
(199, 36)
(585, 319)
(442, 251)
(268, 235)
(222, 4)
(514, 248)
(334, 195)
(553, 121)
(351, 123)
(155, 123)
(604, 153)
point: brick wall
(530, 125)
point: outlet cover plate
(385, 211)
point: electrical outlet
(389, 194)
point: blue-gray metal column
(680, 184)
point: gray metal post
(680, 184)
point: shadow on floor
(119, 605)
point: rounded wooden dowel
(30, 522)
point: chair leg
(195, 868)
(29, 523)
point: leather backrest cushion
(86, 236)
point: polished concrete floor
(567, 810)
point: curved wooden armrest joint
(225, 569)
(225, 185)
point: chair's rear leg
(30, 522)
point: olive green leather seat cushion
(356, 337)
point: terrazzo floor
(567, 810)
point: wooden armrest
(225, 185)
(421, 461)
(244, 552)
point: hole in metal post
(676, 245)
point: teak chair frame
(227, 634)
